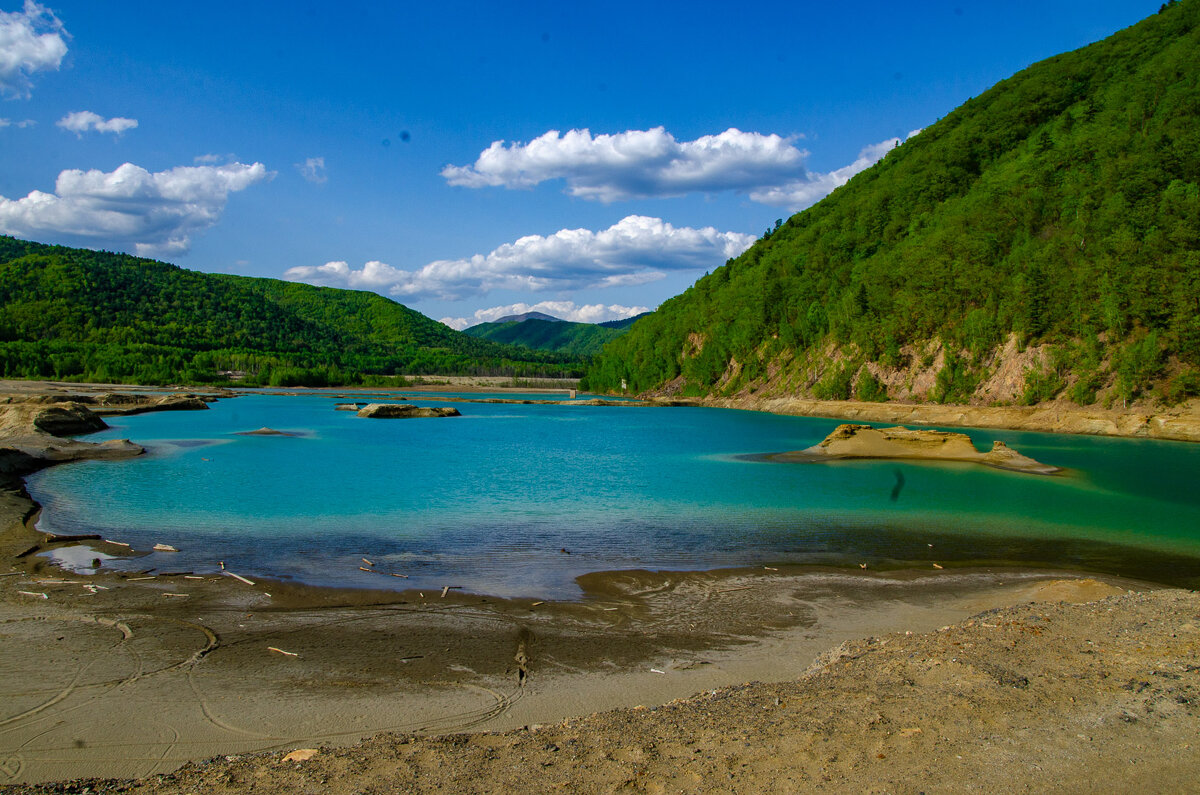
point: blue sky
(474, 159)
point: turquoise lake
(518, 500)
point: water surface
(521, 499)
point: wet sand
(130, 678)
(110, 676)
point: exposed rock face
(30, 434)
(405, 410)
(67, 419)
(164, 403)
(111, 403)
(347, 406)
(863, 441)
(180, 403)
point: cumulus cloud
(18, 124)
(313, 170)
(31, 40)
(635, 250)
(639, 164)
(130, 208)
(564, 310)
(82, 121)
(801, 193)
(635, 163)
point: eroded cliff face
(1037, 384)
(910, 374)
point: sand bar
(851, 441)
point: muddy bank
(1103, 696)
(1181, 423)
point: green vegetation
(1060, 209)
(562, 336)
(75, 314)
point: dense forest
(76, 314)
(563, 336)
(1053, 221)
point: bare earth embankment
(120, 679)
(1180, 423)
(1103, 697)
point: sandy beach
(868, 681)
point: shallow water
(521, 499)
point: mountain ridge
(78, 314)
(1039, 242)
(560, 336)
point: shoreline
(183, 668)
(1181, 423)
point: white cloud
(313, 170)
(815, 186)
(210, 159)
(639, 164)
(81, 121)
(635, 250)
(636, 163)
(31, 40)
(18, 124)
(564, 310)
(130, 208)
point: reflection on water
(522, 499)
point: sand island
(863, 441)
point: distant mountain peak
(528, 316)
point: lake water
(518, 500)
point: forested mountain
(527, 316)
(624, 322)
(1041, 241)
(70, 313)
(562, 336)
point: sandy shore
(109, 676)
(1179, 423)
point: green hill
(1041, 241)
(563, 336)
(77, 314)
